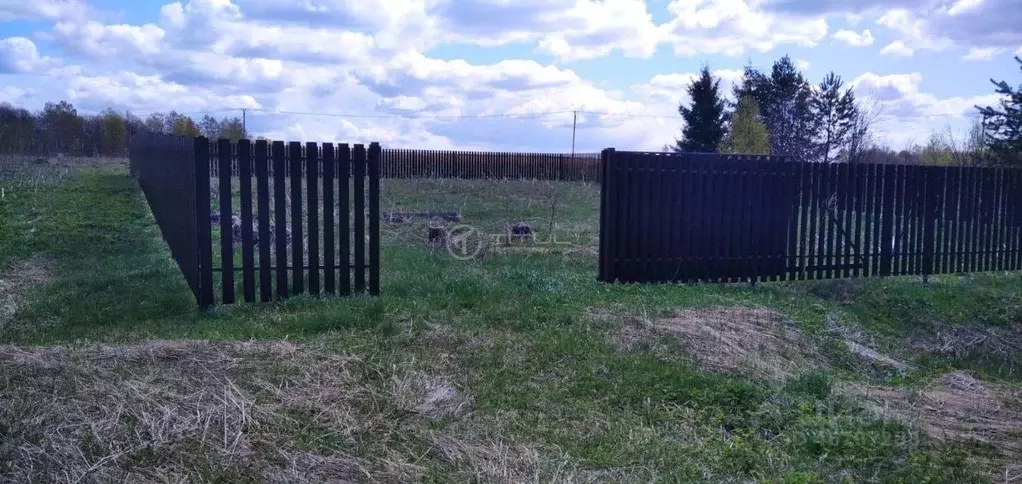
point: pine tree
(835, 111)
(785, 99)
(1004, 124)
(705, 119)
(748, 135)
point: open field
(514, 366)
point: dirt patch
(174, 411)
(753, 341)
(956, 407)
(16, 281)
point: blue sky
(497, 74)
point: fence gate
(668, 217)
(286, 218)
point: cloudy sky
(495, 74)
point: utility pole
(574, 122)
(244, 129)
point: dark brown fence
(405, 163)
(284, 228)
(165, 167)
(720, 218)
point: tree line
(782, 113)
(58, 129)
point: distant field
(514, 366)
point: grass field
(516, 366)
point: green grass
(516, 331)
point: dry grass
(956, 407)
(753, 341)
(271, 411)
(15, 282)
(863, 345)
(28, 172)
(1002, 345)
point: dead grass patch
(754, 341)
(15, 283)
(956, 407)
(175, 411)
(1002, 345)
(862, 344)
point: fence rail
(408, 163)
(299, 225)
(716, 218)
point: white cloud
(854, 38)
(109, 41)
(730, 27)
(668, 87)
(908, 113)
(19, 55)
(14, 95)
(923, 24)
(982, 53)
(962, 6)
(802, 64)
(128, 90)
(1019, 52)
(913, 31)
(897, 48)
(971, 23)
(220, 27)
(566, 29)
(625, 25)
(411, 72)
(672, 88)
(11, 10)
(902, 97)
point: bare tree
(861, 135)
(958, 149)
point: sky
(516, 75)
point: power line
(507, 115)
(406, 116)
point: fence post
(606, 261)
(224, 165)
(934, 197)
(204, 244)
(374, 218)
(887, 221)
(359, 172)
